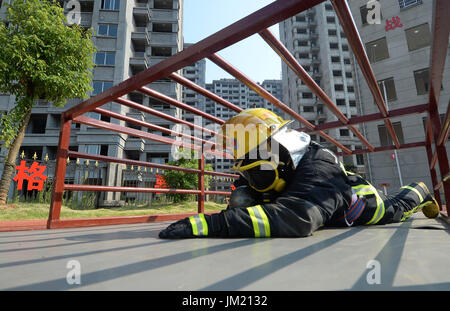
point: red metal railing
(256, 23)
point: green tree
(183, 180)
(41, 58)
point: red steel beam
(369, 118)
(60, 171)
(131, 104)
(219, 61)
(384, 148)
(195, 87)
(352, 34)
(176, 103)
(445, 131)
(271, 14)
(102, 158)
(150, 126)
(441, 32)
(75, 187)
(290, 60)
(133, 132)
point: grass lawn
(22, 211)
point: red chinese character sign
(394, 23)
(160, 183)
(33, 174)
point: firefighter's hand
(178, 230)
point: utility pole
(395, 150)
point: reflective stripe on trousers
(199, 225)
(260, 221)
(369, 189)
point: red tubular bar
(271, 14)
(445, 131)
(102, 158)
(162, 115)
(60, 172)
(150, 126)
(201, 184)
(385, 148)
(195, 87)
(219, 61)
(74, 187)
(352, 34)
(290, 60)
(441, 31)
(174, 102)
(369, 118)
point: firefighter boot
(429, 205)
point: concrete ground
(413, 255)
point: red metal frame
(256, 23)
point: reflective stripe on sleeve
(260, 221)
(199, 225)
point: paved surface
(414, 255)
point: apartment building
(399, 51)
(318, 43)
(130, 36)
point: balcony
(165, 38)
(159, 15)
(141, 11)
(315, 48)
(140, 35)
(138, 61)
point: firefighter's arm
(286, 217)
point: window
(390, 88)
(303, 55)
(101, 86)
(328, 7)
(37, 124)
(301, 30)
(344, 132)
(300, 19)
(334, 46)
(332, 32)
(408, 3)
(307, 95)
(107, 30)
(348, 75)
(377, 50)
(344, 47)
(418, 37)
(347, 61)
(338, 87)
(422, 78)
(352, 103)
(340, 102)
(302, 43)
(331, 20)
(308, 109)
(337, 73)
(335, 59)
(110, 4)
(350, 89)
(105, 58)
(162, 27)
(163, 4)
(161, 51)
(385, 137)
(359, 157)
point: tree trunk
(10, 160)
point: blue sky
(251, 56)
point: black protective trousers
(320, 193)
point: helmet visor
(261, 175)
